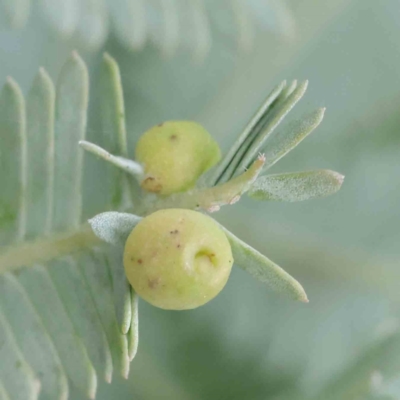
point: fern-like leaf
(70, 316)
(169, 24)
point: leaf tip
(107, 58)
(339, 178)
(301, 294)
(11, 82)
(78, 60)
(305, 299)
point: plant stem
(208, 199)
(41, 251)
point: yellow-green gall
(174, 155)
(177, 259)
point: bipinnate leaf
(171, 25)
(73, 354)
(35, 343)
(114, 227)
(296, 186)
(264, 270)
(67, 314)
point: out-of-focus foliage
(247, 343)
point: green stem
(43, 250)
(209, 199)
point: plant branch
(41, 251)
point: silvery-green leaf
(40, 155)
(285, 139)
(277, 115)
(70, 127)
(125, 164)
(16, 376)
(129, 21)
(220, 174)
(264, 270)
(47, 302)
(12, 160)
(92, 26)
(108, 130)
(96, 272)
(35, 343)
(296, 186)
(16, 12)
(200, 27)
(114, 227)
(67, 279)
(121, 288)
(76, 306)
(133, 334)
(270, 119)
(63, 15)
(245, 25)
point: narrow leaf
(129, 166)
(113, 108)
(48, 304)
(71, 109)
(258, 130)
(133, 334)
(12, 162)
(219, 172)
(263, 269)
(63, 15)
(16, 12)
(94, 268)
(121, 290)
(79, 305)
(297, 186)
(286, 139)
(278, 115)
(16, 375)
(245, 26)
(168, 37)
(35, 342)
(40, 155)
(201, 30)
(131, 26)
(108, 130)
(114, 227)
(92, 27)
(3, 393)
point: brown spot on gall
(150, 184)
(153, 283)
(140, 261)
(174, 232)
(173, 137)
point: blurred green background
(248, 343)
